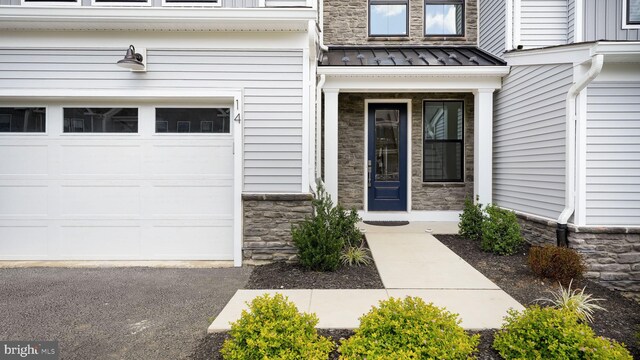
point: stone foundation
(612, 254)
(267, 225)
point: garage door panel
(98, 242)
(23, 242)
(192, 200)
(23, 160)
(100, 160)
(196, 242)
(83, 201)
(19, 200)
(192, 160)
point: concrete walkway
(411, 262)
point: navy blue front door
(387, 157)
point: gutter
(570, 146)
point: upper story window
(633, 12)
(444, 17)
(388, 17)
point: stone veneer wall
(346, 23)
(351, 153)
(612, 254)
(267, 225)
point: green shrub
(471, 219)
(409, 329)
(321, 238)
(274, 329)
(550, 333)
(558, 263)
(501, 231)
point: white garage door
(134, 182)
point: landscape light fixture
(132, 60)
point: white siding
(529, 139)
(543, 23)
(158, 3)
(613, 153)
(493, 26)
(271, 80)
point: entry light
(132, 60)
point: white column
(483, 145)
(331, 142)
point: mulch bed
(511, 273)
(294, 276)
(621, 322)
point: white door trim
(366, 213)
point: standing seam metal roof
(409, 56)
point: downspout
(321, 44)
(570, 147)
(319, 128)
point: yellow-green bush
(274, 329)
(550, 333)
(409, 329)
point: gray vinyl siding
(493, 26)
(271, 80)
(529, 139)
(158, 3)
(613, 153)
(543, 23)
(603, 21)
(571, 21)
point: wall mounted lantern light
(134, 61)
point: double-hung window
(444, 17)
(388, 17)
(443, 148)
(633, 12)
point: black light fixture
(132, 60)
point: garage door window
(100, 120)
(22, 119)
(193, 120)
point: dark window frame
(229, 125)
(99, 133)
(461, 141)
(44, 121)
(628, 17)
(388, 2)
(445, 2)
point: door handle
(369, 172)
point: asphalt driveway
(115, 313)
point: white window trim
(216, 3)
(625, 25)
(76, 3)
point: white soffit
(176, 19)
(620, 51)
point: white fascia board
(616, 48)
(414, 70)
(569, 54)
(413, 80)
(112, 18)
